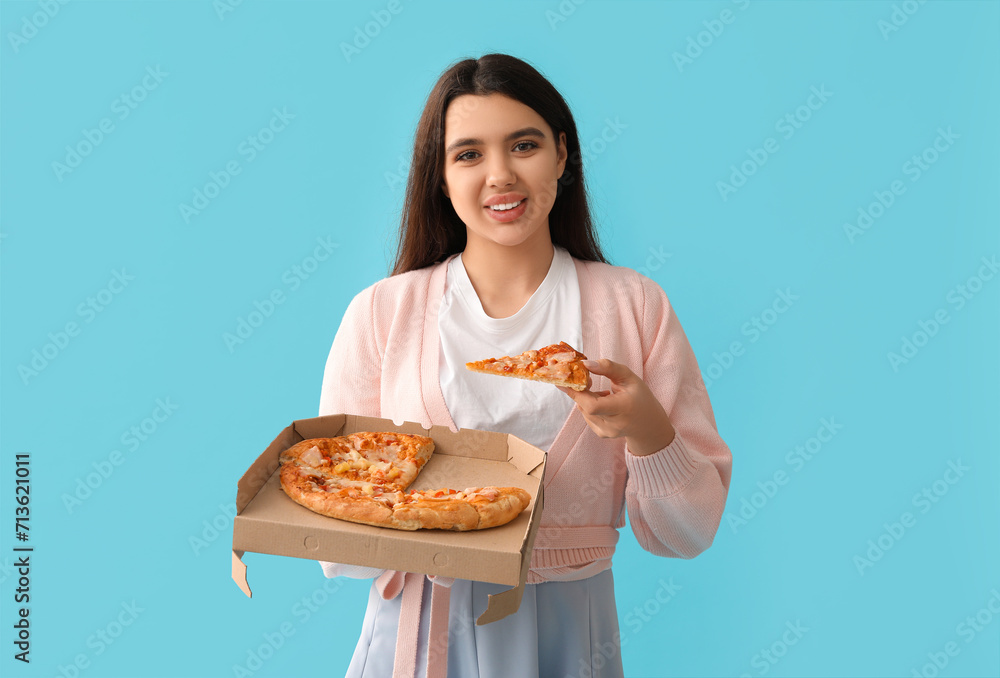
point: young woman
(497, 254)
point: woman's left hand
(629, 409)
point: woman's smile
(506, 207)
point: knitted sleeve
(676, 496)
(351, 381)
(351, 384)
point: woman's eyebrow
(525, 132)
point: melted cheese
(312, 456)
(558, 371)
(358, 484)
(553, 365)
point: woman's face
(499, 150)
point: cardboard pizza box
(267, 521)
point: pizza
(356, 461)
(362, 478)
(557, 364)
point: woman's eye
(521, 146)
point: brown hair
(430, 230)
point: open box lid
(268, 521)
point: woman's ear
(561, 155)
(444, 188)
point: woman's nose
(500, 172)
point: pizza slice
(388, 460)
(475, 508)
(459, 511)
(362, 477)
(557, 364)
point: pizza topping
(488, 493)
(361, 442)
(312, 456)
(390, 499)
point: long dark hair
(430, 229)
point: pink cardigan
(384, 363)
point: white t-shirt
(530, 410)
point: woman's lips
(508, 215)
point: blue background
(336, 171)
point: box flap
(262, 468)
(320, 427)
(507, 602)
(240, 573)
(526, 458)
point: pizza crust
(474, 513)
(357, 510)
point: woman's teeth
(505, 206)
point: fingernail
(590, 364)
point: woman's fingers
(597, 403)
(616, 372)
(603, 410)
(603, 426)
(629, 409)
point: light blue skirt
(562, 630)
